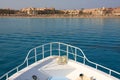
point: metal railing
(59, 49)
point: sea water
(99, 38)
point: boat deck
(48, 68)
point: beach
(59, 16)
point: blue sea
(99, 38)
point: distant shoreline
(61, 16)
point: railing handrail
(6, 75)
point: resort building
(72, 12)
(29, 11)
(116, 11)
(36, 11)
(98, 11)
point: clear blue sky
(59, 4)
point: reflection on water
(99, 38)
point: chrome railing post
(84, 60)
(96, 66)
(43, 51)
(59, 49)
(110, 72)
(17, 69)
(6, 76)
(35, 55)
(67, 52)
(27, 62)
(50, 49)
(75, 54)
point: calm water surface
(99, 38)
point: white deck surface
(49, 67)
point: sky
(59, 4)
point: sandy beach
(59, 16)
